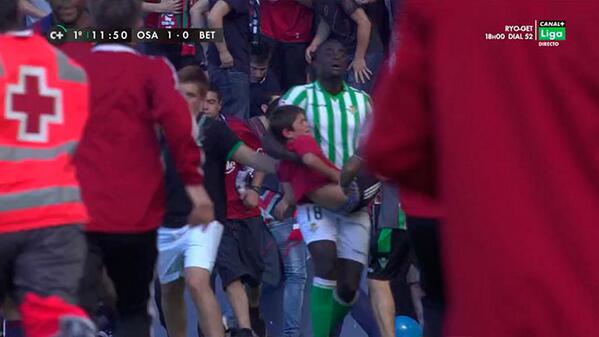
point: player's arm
(215, 21)
(361, 71)
(350, 170)
(164, 6)
(322, 34)
(314, 163)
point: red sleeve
(303, 145)
(172, 113)
(400, 142)
(243, 131)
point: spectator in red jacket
(133, 98)
(504, 134)
(286, 27)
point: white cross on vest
(33, 104)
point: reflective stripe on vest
(68, 71)
(9, 153)
(37, 198)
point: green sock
(340, 310)
(321, 306)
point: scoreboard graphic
(545, 33)
(59, 34)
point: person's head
(68, 12)
(193, 85)
(10, 16)
(287, 122)
(259, 59)
(330, 61)
(212, 102)
(116, 14)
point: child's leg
(329, 196)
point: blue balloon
(407, 327)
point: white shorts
(350, 232)
(180, 248)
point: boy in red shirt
(315, 179)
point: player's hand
(202, 212)
(171, 6)
(361, 72)
(226, 59)
(310, 52)
(250, 198)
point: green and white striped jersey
(335, 120)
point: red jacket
(505, 134)
(286, 21)
(118, 160)
(43, 108)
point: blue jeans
(295, 275)
(234, 90)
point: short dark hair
(194, 74)
(260, 53)
(115, 14)
(282, 118)
(214, 89)
(9, 15)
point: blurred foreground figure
(43, 109)
(504, 134)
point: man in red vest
(43, 108)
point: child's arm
(313, 162)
